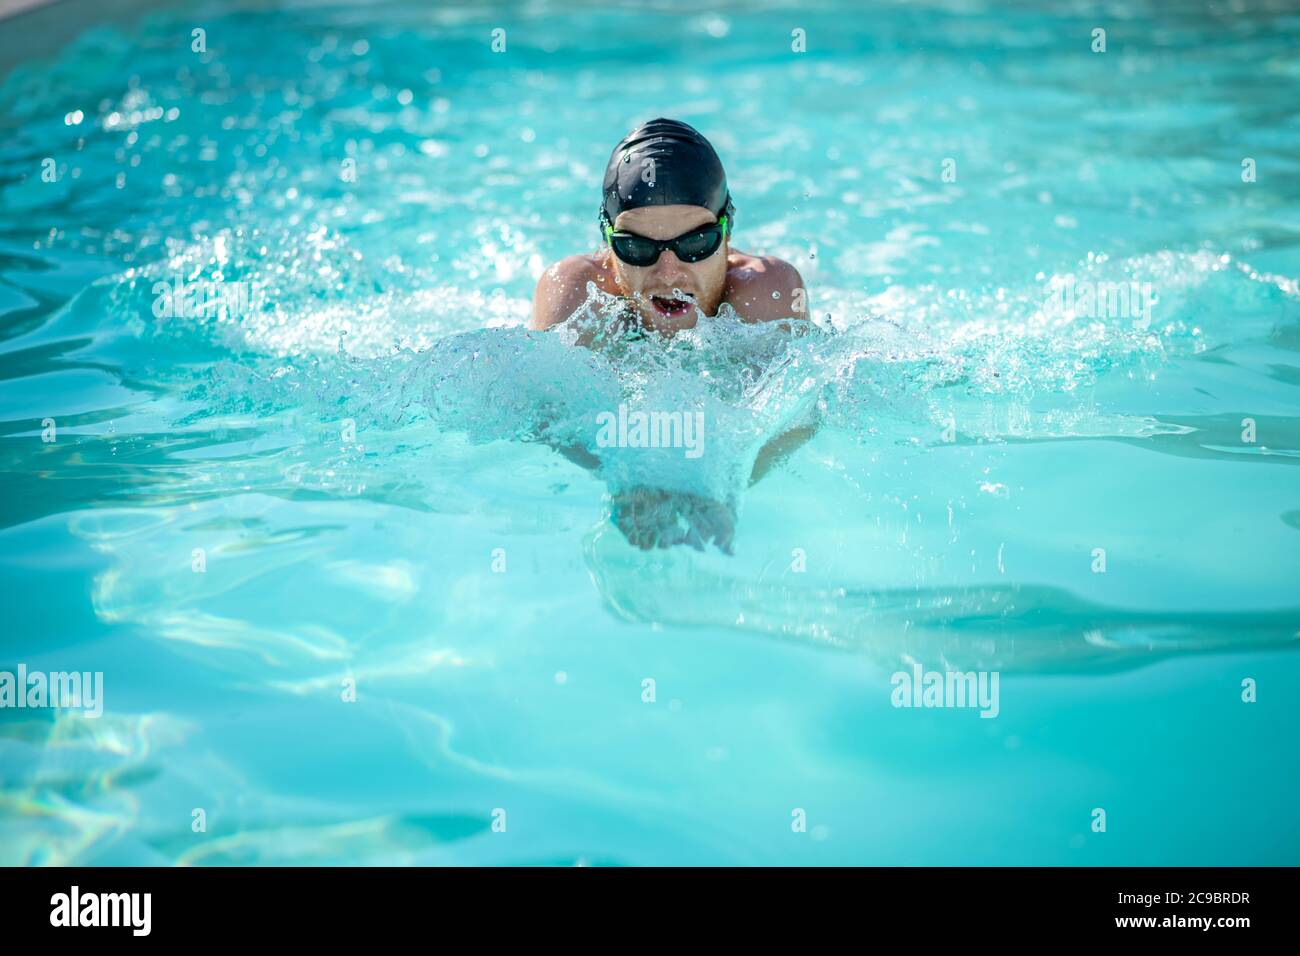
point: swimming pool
(350, 607)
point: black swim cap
(664, 163)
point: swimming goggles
(693, 246)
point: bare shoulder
(563, 287)
(764, 288)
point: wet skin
(667, 297)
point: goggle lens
(635, 250)
(695, 246)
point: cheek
(712, 272)
(630, 278)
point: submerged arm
(779, 449)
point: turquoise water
(359, 456)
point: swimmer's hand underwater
(653, 518)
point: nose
(669, 267)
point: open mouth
(670, 306)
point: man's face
(651, 287)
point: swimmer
(666, 223)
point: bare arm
(765, 288)
(561, 290)
(780, 448)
